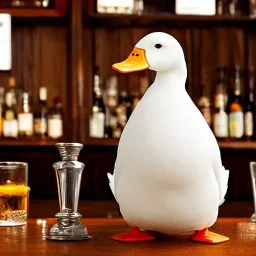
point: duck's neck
(173, 80)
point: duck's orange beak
(135, 62)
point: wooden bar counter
(30, 240)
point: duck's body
(168, 174)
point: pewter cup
(68, 173)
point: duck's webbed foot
(205, 236)
(135, 235)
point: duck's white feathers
(221, 175)
(111, 182)
(168, 174)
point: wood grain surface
(30, 240)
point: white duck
(168, 173)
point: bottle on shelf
(97, 119)
(40, 3)
(25, 117)
(41, 114)
(10, 122)
(16, 90)
(220, 116)
(1, 109)
(220, 7)
(17, 3)
(204, 105)
(138, 7)
(55, 119)
(249, 110)
(111, 93)
(121, 110)
(252, 9)
(108, 128)
(235, 109)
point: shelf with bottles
(228, 144)
(34, 8)
(102, 142)
(237, 145)
(113, 103)
(111, 109)
(152, 12)
(28, 142)
(232, 113)
(25, 122)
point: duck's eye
(158, 46)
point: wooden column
(76, 90)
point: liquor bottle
(220, 116)
(18, 3)
(97, 119)
(108, 127)
(25, 117)
(10, 122)
(40, 3)
(40, 114)
(121, 110)
(111, 94)
(55, 120)
(1, 109)
(138, 7)
(17, 90)
(249, 110)
(235, 109)
(204, 106)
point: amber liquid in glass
(13, 204)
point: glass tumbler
(14, 193)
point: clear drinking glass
(14, 193)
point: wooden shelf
(32, 142)
(237, 144)
(155, 19)
(32, 13)
(222, 144)
(102, 142)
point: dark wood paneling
(94, 186)
(237, 162)
(216, 47)
(88, 44)
(40, 59)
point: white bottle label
(236, 124)
(25, 122)
(55, 128)
(220, 124)
(248, 124)
(97, 125)
(10, 128)
(198, 7)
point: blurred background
(57, 85)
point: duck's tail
(111, 182)
(224, 184)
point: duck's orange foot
(205, 236)
(135, 235)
